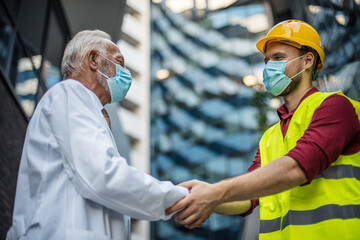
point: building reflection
(204, 68)
(209, 107)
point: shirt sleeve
(95, 167)
(333, 126)
(255, 164)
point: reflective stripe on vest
(329, 205)
(320, 214)
(341, 171)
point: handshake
(204, 199)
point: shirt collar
(98, 104)
(282, 111)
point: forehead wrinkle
(114, 53)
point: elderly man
(306, 173)
(72, 182)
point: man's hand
(198, 205)
(279, 175)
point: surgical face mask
(274, 76)
(119, 84)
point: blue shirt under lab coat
(72, 182)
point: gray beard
(101, 79)
(103, 83)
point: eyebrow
(277, 54)
(120, 59)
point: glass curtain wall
(32, 40)
(28, 66)
(208, 104)
(338, 23)
(206, 78)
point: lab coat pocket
(76, 234)
(25, 228)
(23, 232)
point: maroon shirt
(334, 130)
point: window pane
(13, 7)
(6, 31)
(24, 77)
(53, 52)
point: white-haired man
(72, 182)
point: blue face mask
(119, 84)
(274, 76)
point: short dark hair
(304, 50)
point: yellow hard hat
(296, 33)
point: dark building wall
(13, 125)
(33, 35)
(24, 28)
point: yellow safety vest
(329, 207)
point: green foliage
(260, 100)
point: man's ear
(93, 59)
(309, 59)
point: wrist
(222, 191)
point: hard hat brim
(262, 44)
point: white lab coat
(72, 182)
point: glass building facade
(30, 56)
(203, 115)
(33, 35)
(208, 104)
(338, 23)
